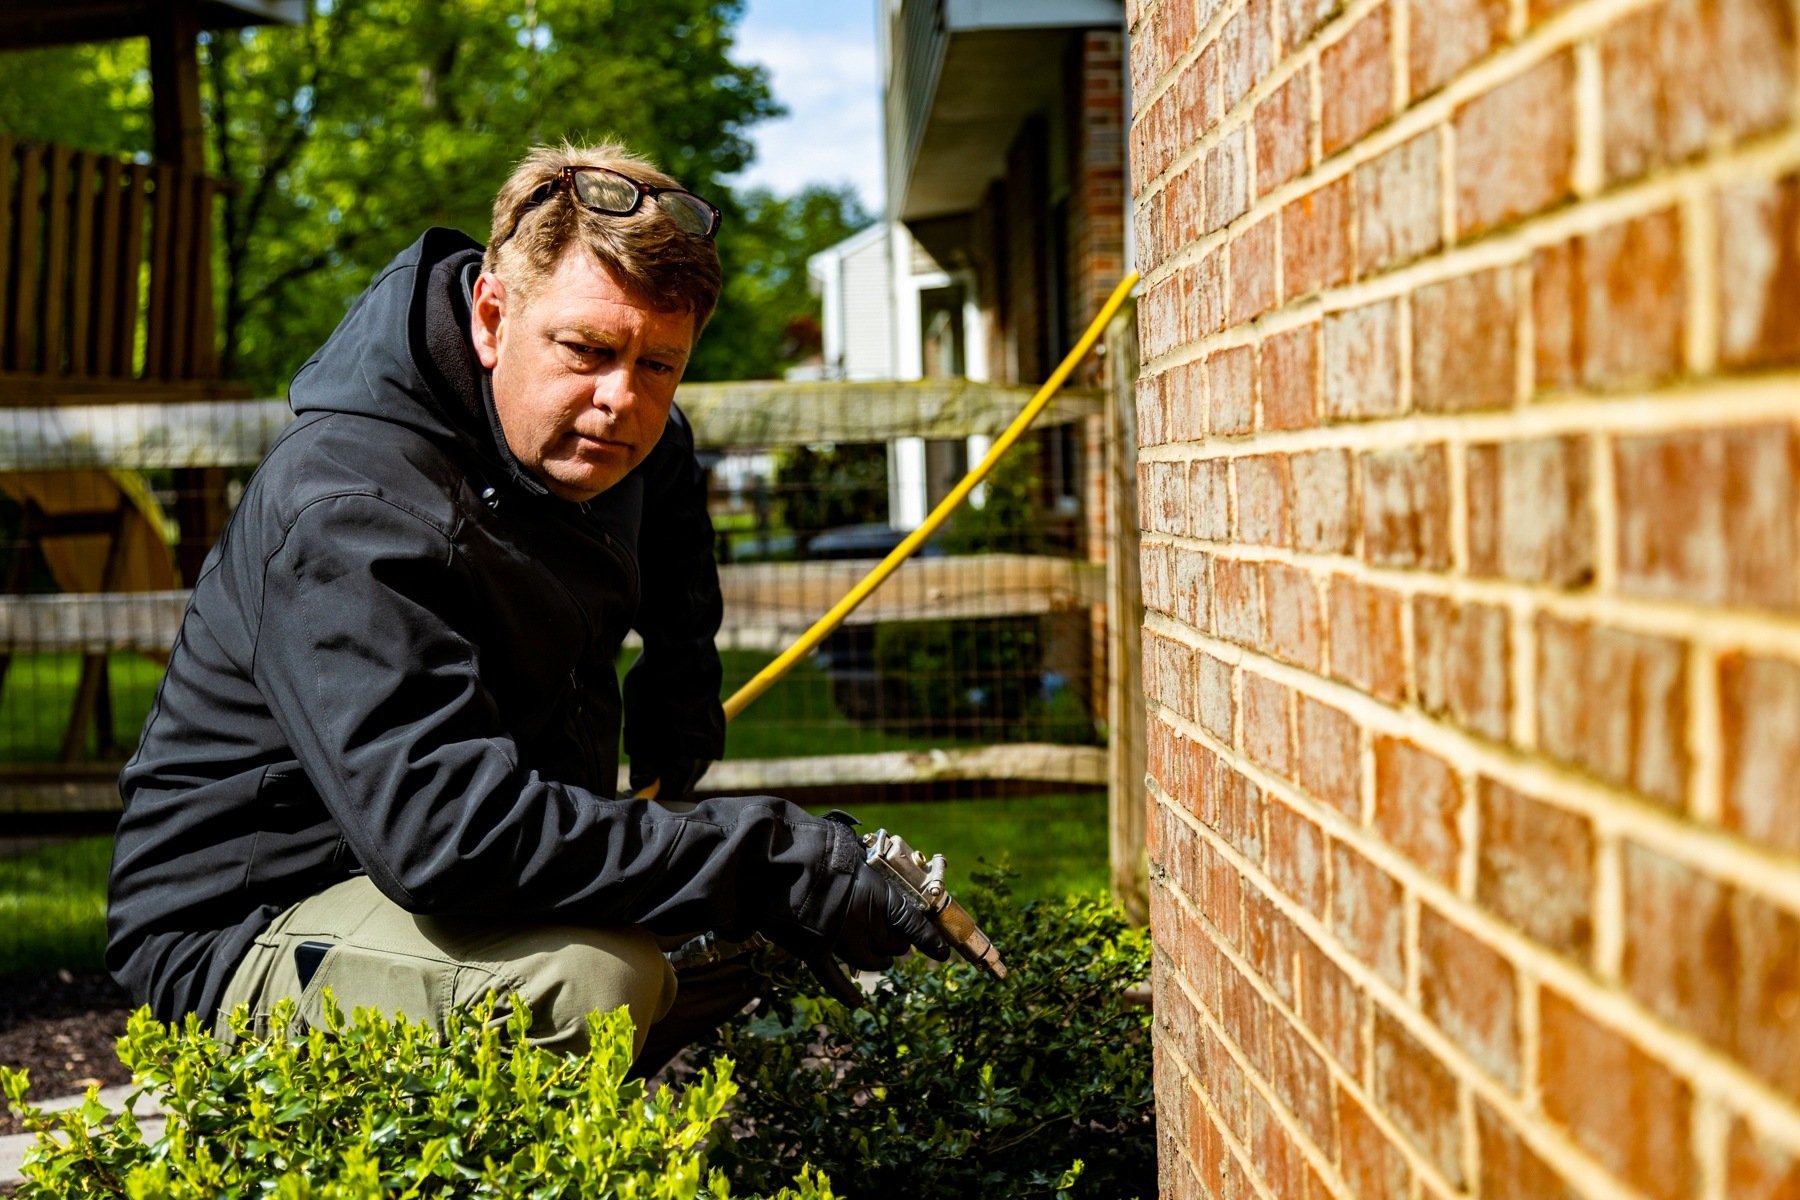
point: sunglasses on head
(606, 191)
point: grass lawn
(40, 688)
(53, 907)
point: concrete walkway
(13, 1146)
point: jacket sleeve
(672, 706)
(369, 661)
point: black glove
(678, 775)
(881, 922)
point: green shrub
(951, 1084)
(373, 1107)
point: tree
(763, 315)
(376, 118)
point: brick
(1450, 35)
(1362, 362)
(1175, 679)
(1418, 1094)
(1222, 898)
(1356, 81)
(1368, 913)
(1152, 410)
(1232, 383)
(1244, 1016)
(1289, 364)
(1253, 257)
(1399, 205)
(1621, 1104)
(1315, 240)
(1240, 812)
(1284, 133)
(1162, 500)
(1417, 799)
(1324, 500)
(1759, 1169)
(1716, 960)
(1228, 179)
(1246, 52)
(1369, 1163)
(1530, 513)
(1185, 397)
(1609, 306)
(1192, 589)
(1300, 19)
(1367, 648)
(1237, 602)
(1508, 1166)
(1184, 204)
(1154, 568)
(1209, 504)
(1262, 499)
(1330, 1003)
(1212, 686)
(1406, 507)
(1224, 1084)
(1690, 76)
(1329, 755)
(1465, 343)
(1197, 96)
(1461, 655)
(1615, 705)
(1296, 623)
(1759, 702)
(1305, 1084)
(1759, 273)
(1708, 516)
(1159, 318)
(1175, 31)
(1268, 726)
(1297, 857)
(1515, 147)
(1470, 991)
(1269, 948)
(1279, 1163)
(1202, 298)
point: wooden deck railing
(105, 268)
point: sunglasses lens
(605, 191)
(689, 212)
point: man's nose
(614, 390)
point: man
(382, 760)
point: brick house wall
(1471, 374)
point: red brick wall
(1471, 337)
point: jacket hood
(403, 354)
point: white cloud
(827, 79)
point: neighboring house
(854, 281)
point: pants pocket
(420, 989)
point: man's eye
(581, 348)
(659, 368)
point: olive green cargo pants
(381, 956)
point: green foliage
(982, 678)
(824, 487)
(768, 316)
(951, 1084)
(371, 1107)
(344, 137)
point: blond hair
(653, 257)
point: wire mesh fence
(976, 674)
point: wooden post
(179, 137)
(1125, 609)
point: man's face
(584, 373)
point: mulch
(62, 1026)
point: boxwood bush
(949, 1084)
(372, 1107)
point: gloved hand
(677, 775)
(881, 922)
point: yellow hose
(744, 696)
(783, 662)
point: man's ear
(487, 317)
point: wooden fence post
(1125, 620)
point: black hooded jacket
(398, 661)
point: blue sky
(821, 58)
